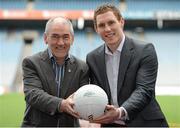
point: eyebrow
(60, 35)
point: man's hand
(67, 106)
(111, 114)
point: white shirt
(112, 67)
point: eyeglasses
(56, 37)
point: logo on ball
(90, 117)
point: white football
(90, 101)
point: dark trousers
(149, 123)
(113, 125)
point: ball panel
(90, 101)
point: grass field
(170, 105)
(12, 108)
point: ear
(45, 38)
(122, 22)
(95, 28)
(72, 39)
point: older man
(51, 76)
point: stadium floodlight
(160, 23)
(80, 24)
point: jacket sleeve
(145, 82)
(34, 90)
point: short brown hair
(105, 8)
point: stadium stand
(13, 4)
(69, 4)
(10, 46)
(152, 5)
(142, 22)
(167, 44)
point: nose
(60, 41)
(107, 28)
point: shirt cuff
(58, 107)
(124, 117)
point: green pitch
(12, 109)
(170, 105)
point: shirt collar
(119, 49)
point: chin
(111, 43)
(60, 55)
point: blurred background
(22, 24)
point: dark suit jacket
(136, 80)
(41, 93)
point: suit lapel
(70, 68)
(50, 76)
(124, 62)
(103, 74)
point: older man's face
(59, 39)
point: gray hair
(62, 19)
